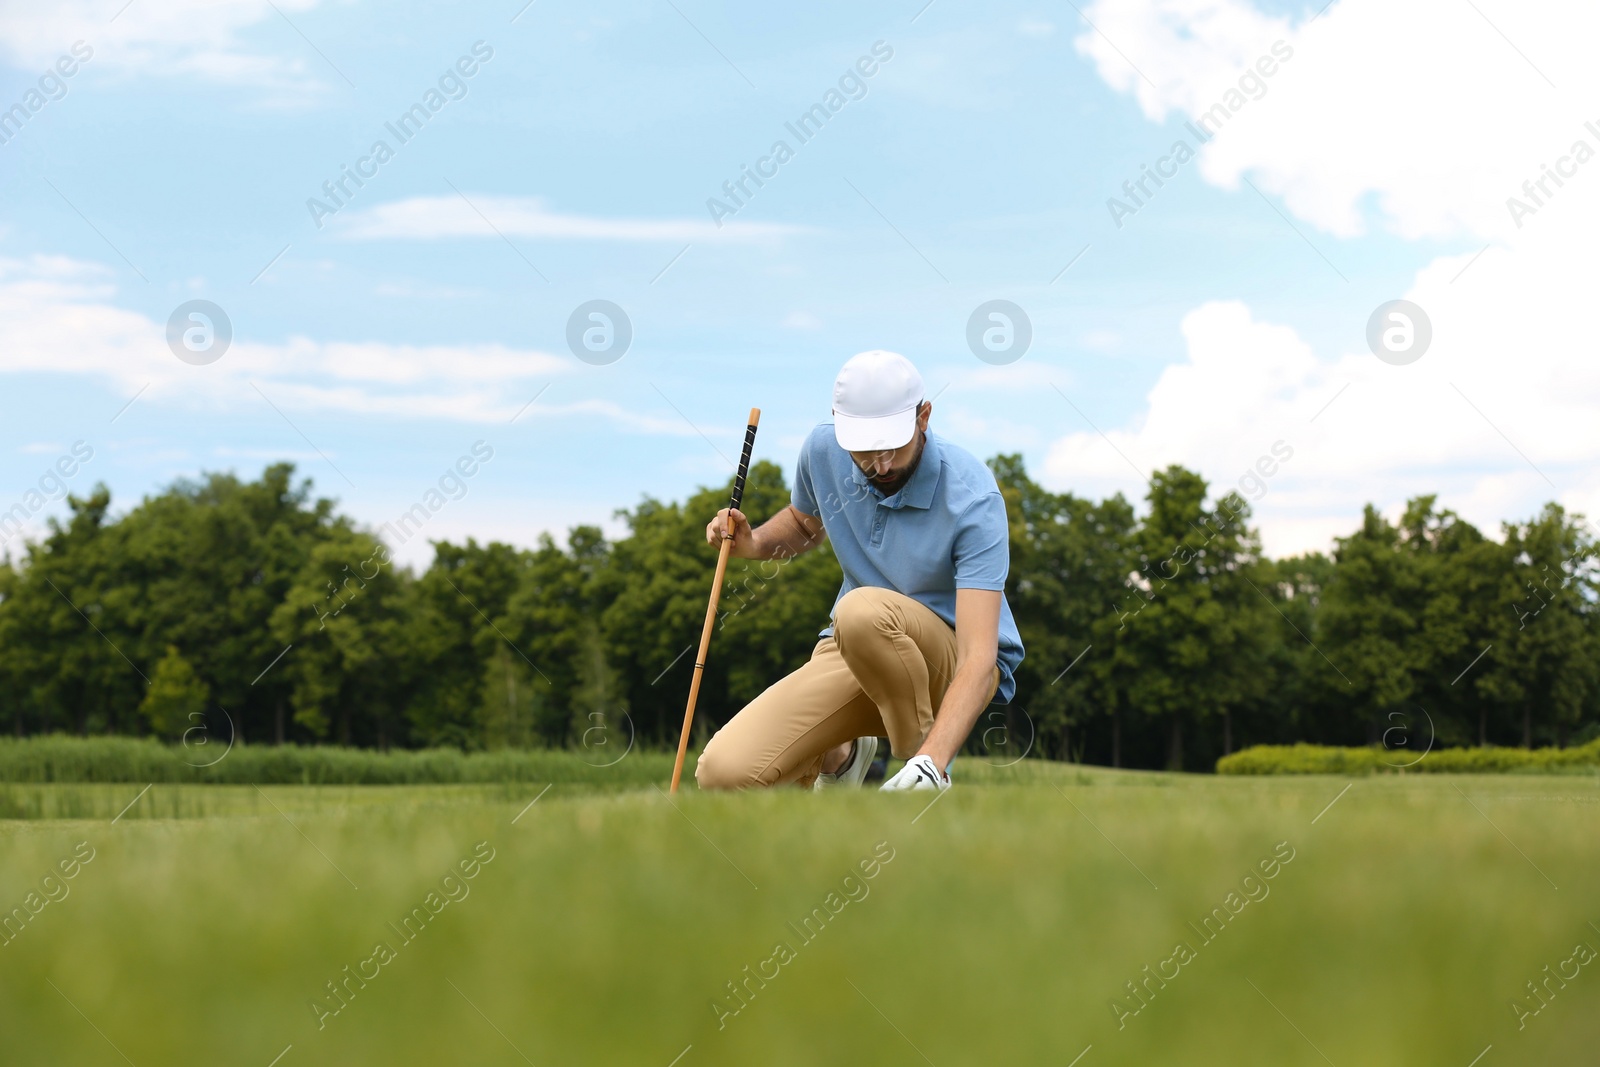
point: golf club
(716, 594)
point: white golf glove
(920, 772)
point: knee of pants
(716, 769)
(859, 614)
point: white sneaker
(918, 773)
(854, 768)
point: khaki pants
(884, 672)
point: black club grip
(744, 457)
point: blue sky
(421, 317)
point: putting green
(1002, 923)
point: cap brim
(856, 433)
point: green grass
(62, 758)
(1014, 909)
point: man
(922, 638)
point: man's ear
(924, 414)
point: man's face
(890, 469)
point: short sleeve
(804, 496)
(982, 549)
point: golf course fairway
(1032, 915)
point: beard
(894, 483)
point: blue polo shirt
(944, 530)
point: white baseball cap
(875, 401)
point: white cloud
(164, 39)
(1175, 55)
(1364, 128)
(57, 317)
(432, 217)
(1436, 137)
(1101, 340)
(801, 320)
(1360, 430)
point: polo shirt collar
(918, 492)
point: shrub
(1325, 759)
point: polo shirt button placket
(877, 526)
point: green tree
(1542, 666)
(598, 701)
(457, 624)
(1192, 621)
(300, 624)
(345, 618)
(77, 651)
(1069, 562)
(511, 704)
(1371, 611)
(553, 617)
(176, 699)
(1304, 695)
(1408, 608)
(201, 565)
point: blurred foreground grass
(1013, 910)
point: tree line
(1162, 637)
